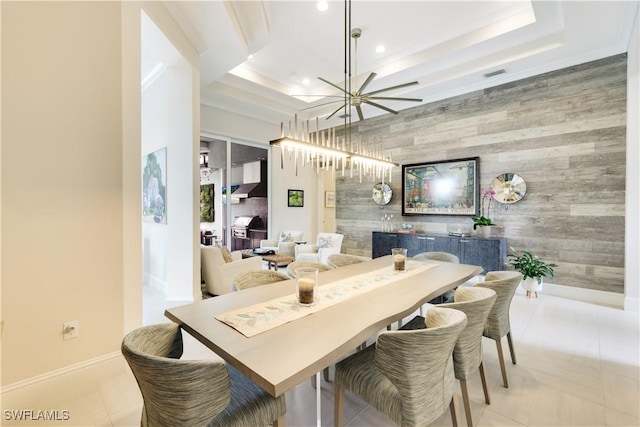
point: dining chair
(438, 256)
(406, 375)
(443, 257)
(295, 265)
(476, 303)
(193, 392)
(251, 279)
(504, 283)
(325, 245)
(340, 260)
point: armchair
(284, 244)
(326, 244)
(218, 274)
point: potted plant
(484, 221)
(533, 270)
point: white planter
(483, 231)
(530, 284)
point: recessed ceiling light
(322, 6)
(380, 48)
(250, 56)
(306, 81)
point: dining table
(361, 300)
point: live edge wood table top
(281, 358)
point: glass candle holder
(399, 256)
(306, 284)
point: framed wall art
(329, 199)
(448, 187)
(296, 198)
(154, 186)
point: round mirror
(509, 188)
(381, 193)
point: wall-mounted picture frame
(295, 198)
(447, 187)
(329, 199)
(154, 186)
(207, 195)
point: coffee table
(276, 260)
(271, 259)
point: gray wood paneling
(563, 131)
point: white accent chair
(326, 244)
(218, 274)
(284, 244)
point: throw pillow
(324, 242)
(285, 237)
(226, 254)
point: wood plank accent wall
(564, 132)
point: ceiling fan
(359, 97)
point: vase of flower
(482, 224)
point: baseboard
(587, 295)
(632, 304)
(95, 365)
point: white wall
(166, 122)
(62, 199)
(282, 217)
(632, 214)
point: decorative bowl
(406, 226)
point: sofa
(285, 243)
(218, 273)
(326, 244)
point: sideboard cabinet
(489, 253)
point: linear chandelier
(322, 149)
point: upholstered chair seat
(252, 279)
(504, 283)
(218, 273)
(442, 257)
(339, 260)
(179, 392)
(326, 244)
(476, 303)
(285, 243)
(291, 268)
(406, 375)
(438, 256)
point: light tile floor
(578, 365)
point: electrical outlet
(70, 330)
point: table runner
(261, 317)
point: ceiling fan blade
(393, 98)
(391, 88)
(359, 110)
(316, 96)
(322, 105)
(334, 85)
(382, 107)
(332, 114)
(366, 82)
